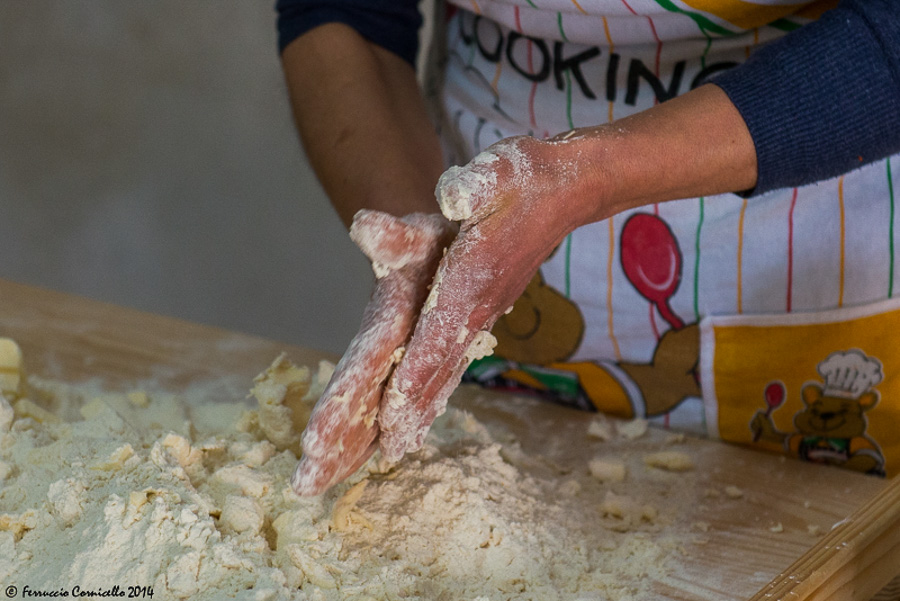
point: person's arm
(795, 115)
(367, 135)
(518, 200)
(363, 122)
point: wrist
(587, 173)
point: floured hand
(516, 202)
(342, 430)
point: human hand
(341, 432)
(516, 202)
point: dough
(633, 429)
(607, 470)
(673, 461)
(191, 496)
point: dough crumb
(139, 398)
(482, 346)
(26, 408)
(777, 528)
(733, 492)
(676, 438)
(283, 409)
(242, 514)
(398, 354)
(627, 511)
(618, 506)
(711, 493)
(649, 513)
(600, 428)
(814, 529)
(569, 488)
(673, 461)
(607, 470)
(433, 292)
(7, 414)
(632, 430)
(11, 372)
(344, 507)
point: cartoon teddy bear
(536, 340)
(831, 427)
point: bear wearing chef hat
(831, 427)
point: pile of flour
(191, 497)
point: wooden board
(746, 545)
(74, 338)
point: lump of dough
(733, 492)
(115, 460)
(242, 514)
(482, 346)
(66, 497)
(600, 428)
(341, 516)
(241, 478)
(607, 470)
(627, 509)
(10, 368)
(283, 411)
(7, 414)
(569, 488)
(673, 461)
(633, 429)
(25, 408)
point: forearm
(362, 122)
(693, 145)
(817, 103)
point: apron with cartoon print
(764, 321)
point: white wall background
(148, 158)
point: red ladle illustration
(651, 260)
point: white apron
(765, 321)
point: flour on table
(192, 497)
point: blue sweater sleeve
(824, 99)
(392, 24)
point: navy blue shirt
(391, 24)
(818, 102)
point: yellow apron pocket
(823, 387)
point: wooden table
(747, 544)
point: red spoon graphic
(774, 394)
(651, 260)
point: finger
(342, 426)
(313, 477)
(470, 292)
